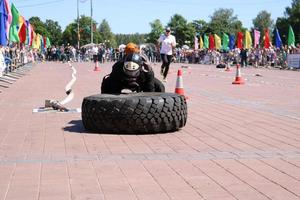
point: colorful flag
(22, 33)
(196, 44)
(211, 42)
(3, 19)
(225, 41)
(201, 43)
(42, 43)
(21, 20)
(13, 31)
(9, 17)
(206, 42)
(48, 42)
(256, 38)
(45, 42)
(248, 40)
(291, 37)
(32, 35)
(28, 32)
(36, 43)
(267, 43)
(218, 42)
(231, 42)
(240, 40)
(22, 29)
(278, 39)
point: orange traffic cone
(227, 69)
(179, 84)
(238, 77)
(97, 68)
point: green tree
(126, 38)
(223, 21)
(182, 30)
(39, 26)
(54, 30)
(262, 22)
(70, 33)
(291, 17)
(107, 36)
(156, 30)
(201, 27)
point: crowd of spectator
(256, 57)
(18, 55)
(14, 56)
(85, 53)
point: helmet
(132, 70)
(131, 48)
(132, 64)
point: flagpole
(78, 31)
(92, 28)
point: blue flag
(27, 32)
(231, 42)
(278, 39)
(3, 19)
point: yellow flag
(36, 43)
(201, 43)
(248, 40)
(218, 42)
(21, 20)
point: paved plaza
(240, 141)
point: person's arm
(173, 44)
(146, 63)
(158, 44)
(148, 85)
(148, 75)
(111, 84)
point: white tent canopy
(185, 47)
(90, 45)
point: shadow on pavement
(75, 126)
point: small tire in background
(134, 113)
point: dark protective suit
(143, 81)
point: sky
(129, 16)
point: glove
(146, 66)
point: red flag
(267, 39)
(45, 41)
(240, 37)
(211, 42)
(22, 33)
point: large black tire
(135, 113)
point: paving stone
(240, 142)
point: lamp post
(92, 28)
(78, 31)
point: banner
(293, 60)
(196, 44)
(256, 38)
(240, 37)
(277, 39)
(248, 40)
(291, 37)
(267, 42)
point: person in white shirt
(167, 43)
(95, 53)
